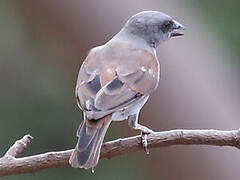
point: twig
(19, 146)
(9, 165)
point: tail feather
(94, 155)
(91, 135)
(85, 136)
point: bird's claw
(92, 170)
(144, 143)
(144, 136)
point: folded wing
(104, 86)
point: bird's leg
(133, 122)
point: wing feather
(105, 86)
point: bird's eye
(166, 26)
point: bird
(116, 79)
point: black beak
(176, 27)
(175, 34)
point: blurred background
(43, 44)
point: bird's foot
(92, 170)
(145, 131)
(144, 136)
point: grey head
(153, 26)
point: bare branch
(19, 146)
(9, 165)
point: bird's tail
(91, 134)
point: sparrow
(116, 79)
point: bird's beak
(176, 27)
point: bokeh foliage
(37, 75)
(223, 17)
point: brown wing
(88, 83)
(105, 85)
(143, 77)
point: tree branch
(19, 146)
(10, 165)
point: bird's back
(136, 68)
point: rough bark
(10, 164)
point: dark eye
(166, 26)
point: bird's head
(153, 26)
